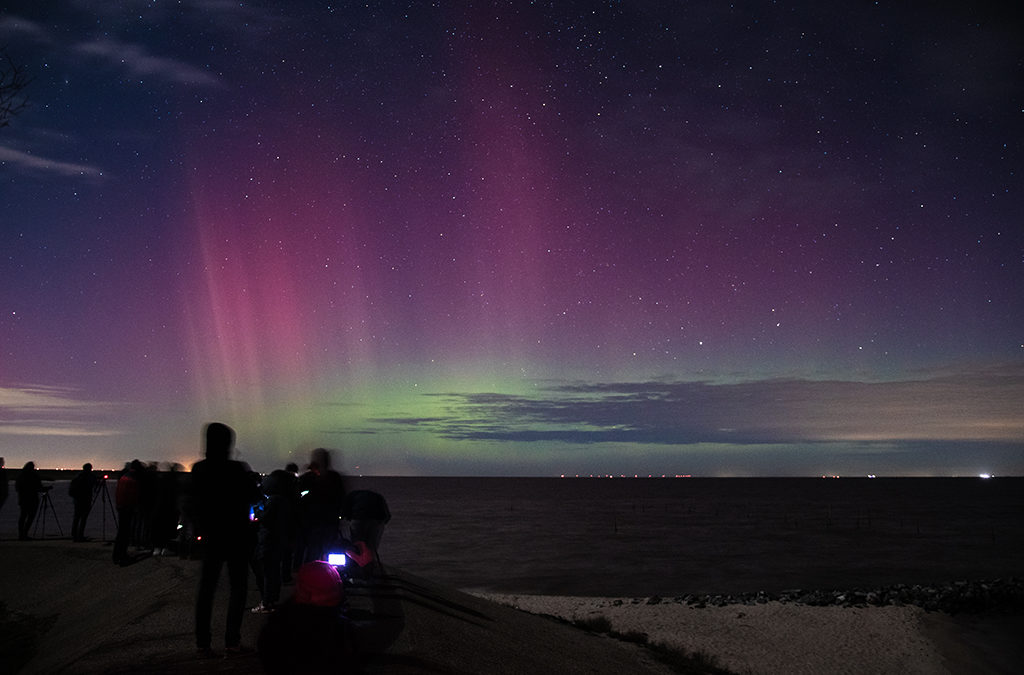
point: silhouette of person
(166, 511)
(4, 487)
(367, 512)
(28, 485)
(272, 536)
(321, 505)
(81, 491)
(292, 494)
(223, 493)
(126, 498)
(149, 480)
(309, 633)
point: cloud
(139, 62)
(135, 59)
(966, 407)
(15, 27)
(52, 428)
(37, 410)
(35, 163)
(407, 421)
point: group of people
(278, 524)
(146, 503)
(149, 504)
(281, 525)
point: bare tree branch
(13, 81)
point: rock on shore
(952, 598)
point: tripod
(102, 492)
(46, 503)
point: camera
(336, 559)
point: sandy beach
(776, 637)
(66, 608)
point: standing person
(291, 478)
(126, 499)
(322, 502)
(81, 491)
(149, 481)
(272, 536)
(223, 494)
(3, 483)
(28, 485)
(165, 516)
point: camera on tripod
(46, 506)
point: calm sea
(674, 536)
(667, 536)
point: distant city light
(984, 475)
(609, 475)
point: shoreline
(771, 636)
(971, 596)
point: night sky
(512, 238)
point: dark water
(674, 536)
(669, 537)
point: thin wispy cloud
(140, 63)
(54, 428)
(46, 165)
(35, 410)
(37, 397)
(133, 59)
(16, 27)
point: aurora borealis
(516, 238)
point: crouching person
(309, 633)
(367, 512)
